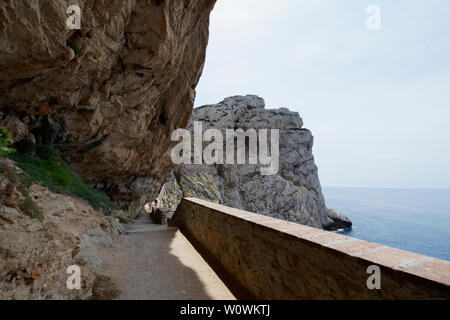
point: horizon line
(397, 188)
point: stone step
(143, 221)
(137, 228)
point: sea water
(416, 220)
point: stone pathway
(156, 262)
(144, 224)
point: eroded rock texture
(294, 194)
(109, 95)
(44, 234)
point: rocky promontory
(293, 194)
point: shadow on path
(161, 264)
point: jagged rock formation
(293, 194)
(107, 95)
(39, 241)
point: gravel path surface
(158, 263)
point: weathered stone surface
(109, 108)
(276, 259)
(35, 252)
(294, 194)
(338, 220)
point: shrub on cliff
(73, 45)
(5, 141)
(51, 171)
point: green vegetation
(122, 220)
(5, 141)
(50, 170)
(72, 44)
(29, 207)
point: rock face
(36, 251)
(294, 194)
(108, 95)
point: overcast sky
(377, 101)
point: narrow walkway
(144, 224)
(158, 263)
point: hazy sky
(377, 101)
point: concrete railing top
(247, 226)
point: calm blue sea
(416, 220)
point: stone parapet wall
(268, 258)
